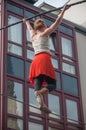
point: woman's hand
(24, 20)
(65, 7)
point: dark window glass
(58, 85)
(48, 22)
(70, 84)
(15, 66)
(65, 30)
(28, 14)
(15, 9)
(27, 69)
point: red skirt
(41, 64)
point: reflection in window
(15, 90)
(14, 32)
(54, 105)
(14, 49)
(35, 126)
(15, 66)
(15, 107)
(72, 111)
(30, 54)
(15, 123)
(66, 47)
(15, 94)
(68, 68)
(70, 84)
(32, 102)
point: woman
(41, 69)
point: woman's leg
(39, 95)
(38, 84)
(51, 85)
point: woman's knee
(51, 87)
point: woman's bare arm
(50, 29)
(29, 27)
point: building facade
(18, 107)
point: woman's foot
(45, 109)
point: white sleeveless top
(41, 45)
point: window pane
(54, 105)
(14, 49)
(32, 102)
(14, 32)
(15, 107)
(28, 35)
(27, 69)
(55, 63)
(68, 68)
(30, 54)
(35, 126)
(52, 47)
(72, 111)
(58, 84)
(70, 84)
(47, 21)
(15, 90)
(28, 14)
(15, 66)
(66, 47)
(14, 123)
(65, 30)
(51, 128)
(15, 9)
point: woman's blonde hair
(38, 24)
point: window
(15, 123)
(15, 98)
(32, 102)
(14, 49)
(72, 111)
(58, 84)
(28, 35)
(51, 128)
(68, 68)
(66, 47)
(35, 126)
(70, 84)
(14, 32)
(47, 21)
(54, 105)
(15, 9)
(27, 69)
(30, 54)
(15, 66)
(28, 14)
(66, 30)
(55, 63)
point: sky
(55, 3)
